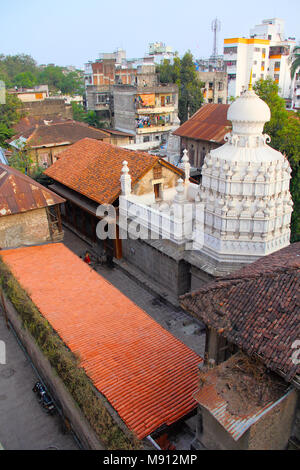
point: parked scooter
(44, 399)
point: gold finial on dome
(250, 81)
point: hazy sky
(71, 32)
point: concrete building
(266, 52)
(148, 111)
(215, 86)
(126, 93)
(29, 212)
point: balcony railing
(148, 129)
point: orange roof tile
(147, 375)
(93, 168)
(209, 123)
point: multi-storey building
(266, 52)
(148, 110)
(215, 86)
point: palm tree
(295, 60)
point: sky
(72, 32)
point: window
(254, 75)
(210, 100)
(270, 37)
(156, 188)
(220, 101)
(146, 138)
(263, 50)
(210, 85)
(277, 65)
(263, 63)
(230, 50)
(257, 49)
(221, 86)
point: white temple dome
(248, 108)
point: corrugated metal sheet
(209, 123)
(208, 397)
(19, 193)
(147, 375)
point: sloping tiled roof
(64, 132)
(93, 168)
(146, 374)
(257, 308)
(29, 123)
(59, 133)
(19, 193)
(209, 123)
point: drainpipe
(153, 442)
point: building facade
(215, 86)
(267, 53)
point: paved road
(23, 423)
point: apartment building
(215, 86)
(147, 110)
(266, 52)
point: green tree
(183, 73)
(295, 59)
(284, 130)
(10, 114)
(21, 159)
(13, 65)
(25, 80)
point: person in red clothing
(87, 258)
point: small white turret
(125, 180)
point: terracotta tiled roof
(257, 308)
(19, 193)
(145, 373)
(209, 123)
(31, 122)
(59, 133)
(93, 168)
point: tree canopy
(183, 73)
(21, 70)
(10, 113)
(284, 130)
(295, 60)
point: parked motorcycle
(43, 398)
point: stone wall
(48, 109)
(27, 228)
(171, 274)
(54, 384)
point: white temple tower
(245, 189)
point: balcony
(168, 108)
(150, 129)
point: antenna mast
(215, 27)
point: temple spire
(250, 81)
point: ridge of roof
(93, 168)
